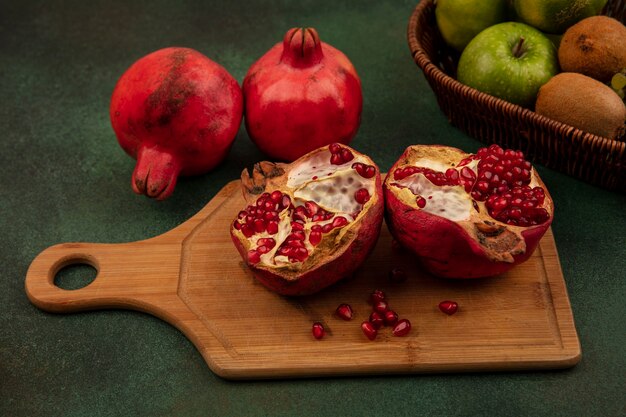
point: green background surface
(64, 178)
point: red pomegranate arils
(339, 221)
(247, 230)
(266, 241)
(318, 330)
(391, 317)
(366, 171)
(369, 330)
(376, 296)
(380, 306)
(335, 159)
(362, 196)
(376, 319)
(315, 238)
(344, 311)
(339, 155)
(402, 328)
(448, 307)
(334, 148)
(346, 155)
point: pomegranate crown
(302, 48)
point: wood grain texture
(193, 278)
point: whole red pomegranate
(301, 95)
(176, 112)
(309, 223)
(466, 215)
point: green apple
(460, 20)
(555, 16)
(509, 60)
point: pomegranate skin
(444, 247)
(301, 95)
(177, 113)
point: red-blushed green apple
(509, 60)
(460, 20)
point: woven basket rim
(422, 59)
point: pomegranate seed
(362, 196)
(391, 317)
(247, 230)
(296, 235)
(369, 330)
(376, 296)
(335, 159)
(421, 202)
(254, 257)
(242, 214)
(339, 221)
(269, 205)
(266, 241)
(317, 217)
(452, 174)
(285, 202)
(380, 306)
(346, 155)
(315, 238)
(334, 148)
(276, 196)
(259, 226)
(366, 171)
(297, 226)
(397, 275)
(237, 225)
(318, 330)
(402, 328)
(272, 228)
(312, 208)
(327, 227)
(344, 311)
(300, 213)
(295, 243)
(376, 319)
(448, 307)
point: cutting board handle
(108, 289)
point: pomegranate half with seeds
(309, 223)
(466, 215)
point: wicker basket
(592, 158)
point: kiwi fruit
(584, 103)
(595, 46)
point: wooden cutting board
(193, 278)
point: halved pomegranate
(309, 223)
(466, 215)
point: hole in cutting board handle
(75, 276)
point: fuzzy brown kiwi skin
(595, 46)
(584, 103)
